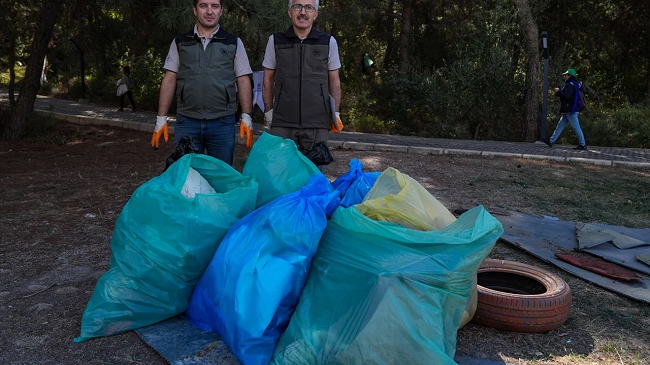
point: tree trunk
(388, 55)
(12, 70)
(405, 35)
(31, 83)
(531, 36)
(647, 94)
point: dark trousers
(305, 138)
(215, 136)
(130, 95)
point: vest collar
(220, 33)
(313, 33)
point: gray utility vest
(205, 82)
(301, 91)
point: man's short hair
(290, 2)
(196, 2)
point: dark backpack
(320, 155)
(184, 146)
(129, 83)
(582, 102)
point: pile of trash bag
(162, 242)
(381, 293)
(278, 167)
(354, 184)
(253, 283)
(368, 269)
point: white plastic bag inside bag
(196, 184)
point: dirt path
(63, 187)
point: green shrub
(373, 124)
(467, 100)
(147, 72)
(627, 126)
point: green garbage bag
(381, 293)
(398, 198)
(278, 167)
(163, 240)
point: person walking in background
(126, 80)
(206, 68)
(569, 106)
(301, 79)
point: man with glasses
(207, 69)
(301, 88)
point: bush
(466, 100)
(627, 126)
(373, 124)
(147, 72)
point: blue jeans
(216, 136)
(572, 118)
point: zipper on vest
(203, 62)
(300, 90)
(322, 96)
(277, 106)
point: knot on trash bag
(184, 146)
(319, 155)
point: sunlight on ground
(645, 173)
(429, 184)
(372, 163)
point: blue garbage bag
(252, 285)
(162, 243)
(381, 293)
(355, 184)
(278, 167)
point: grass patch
(578, 192)
(46, 130)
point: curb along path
(93, 114)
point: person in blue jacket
(569, 107)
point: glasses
(298, 7)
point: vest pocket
(180, 93)
(230, 95)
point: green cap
(571, 72)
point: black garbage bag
(320, 155)
(184, 146)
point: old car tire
(517, 297)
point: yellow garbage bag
(398, 198)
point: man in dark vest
(301, 88)
(207, 69)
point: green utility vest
(205, 82)
(301, 91)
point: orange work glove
(160, 129)
(336, 127)
(246, 128)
